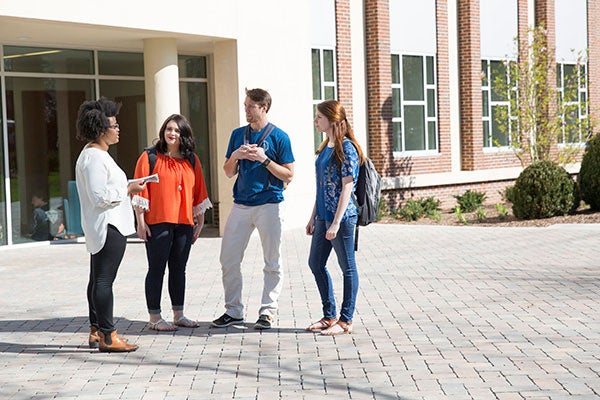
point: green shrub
(589, 174)
(481, 215)
(459, 215)
(414, 210)
(502, 211)
(544, 189)
(509, 194)
(470, 200)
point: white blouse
(102, 187)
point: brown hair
(260, 96)
(336, 115)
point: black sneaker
(225, 320)
(263, 322)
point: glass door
(42, 152)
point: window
(324, 82)
(42, 89)
(572, 99)
(414, 103)
(498, 118)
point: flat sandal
(340, 328)
(323, 323)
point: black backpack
(367, 194)
(152, 158)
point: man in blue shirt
(260, 154)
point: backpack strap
(268, 129)
(152, 158)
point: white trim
(458, 178)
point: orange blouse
(178, 197)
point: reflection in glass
(42, 148)
(395, 69)
(412, 77)
(431, 135)
(328, 73)
(120, 63)
(316, 74)
(3, 227)
(499, 133)
(396, 103)
(131, 119)
(192, 66)
(414, 119)
(194, 105)
(41, 59)
(397, 135)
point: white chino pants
(239, 227)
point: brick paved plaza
(442, 313)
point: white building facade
(409, 74)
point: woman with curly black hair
(170, 216)
(106, 216)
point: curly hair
(93, 118)
(186, 136)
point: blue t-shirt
(329, 181)
(255, 185)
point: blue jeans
(320, 249)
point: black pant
(169, 243)
(103, 271)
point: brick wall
(379, 83)
(344, 56)
(593, 9)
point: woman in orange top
(170, 216)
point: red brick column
(379, 83)
(443, 80)
(523, 27)
(469, 48)
(593, 15)
(344, 55)
(545, 17)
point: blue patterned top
(329, 181)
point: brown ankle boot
(94, 339)
(117, 344)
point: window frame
(487, 120)
(318, 137)
(427, 87)
(582, 105)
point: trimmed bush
(543, 190)
(589, 174)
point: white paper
(145, 179)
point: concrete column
(162, 83)
(227, 93)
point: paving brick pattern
(442, 313)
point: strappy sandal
(321, 324)
(340, 328)
(185, 322)
(154, 326)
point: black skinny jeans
(103, 271)
(169, 244)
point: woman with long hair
(334, 216)
(170, 216)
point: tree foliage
(538, 116)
